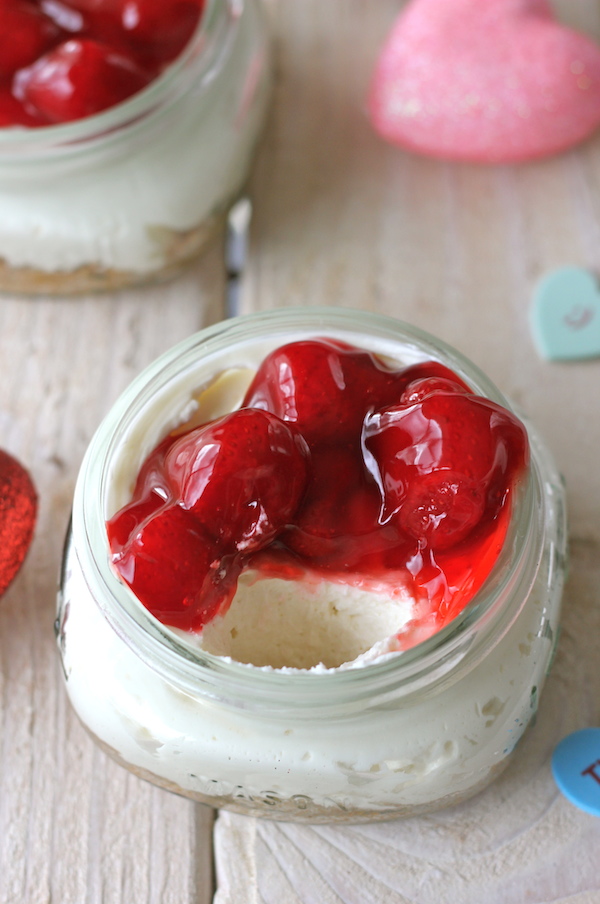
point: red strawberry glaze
(404, 473)
(25, 34)
(62, 60)
(233, 484)
(180, 594)
(241, 476)
(77, 79)
(12, 111)
(323, 387)
(443, 462)
(337, 526)
(154, 30)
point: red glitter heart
(18, 511)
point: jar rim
(200, 57)
(198, 670)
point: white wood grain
(340, 218)
(74, 827)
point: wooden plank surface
(74, 827)
(340, 218)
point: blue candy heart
(565, 316)
(576, 768)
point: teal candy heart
(565, 316)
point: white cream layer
(429, 747)
(312, 624)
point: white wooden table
(342, 219)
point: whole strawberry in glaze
(77, 79)
(172, 566)
(25, 34)
(153, 30)
(203, 502)
(443, 462)
(12, 112)
(242, 476)
(324, 387)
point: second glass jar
(130, 195)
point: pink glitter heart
(18, 512)
(485, 80)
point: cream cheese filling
(311, 623)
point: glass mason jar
(404, 735)
(130, 195)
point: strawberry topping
(77, 79)
(335, 463)
(62, 60)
